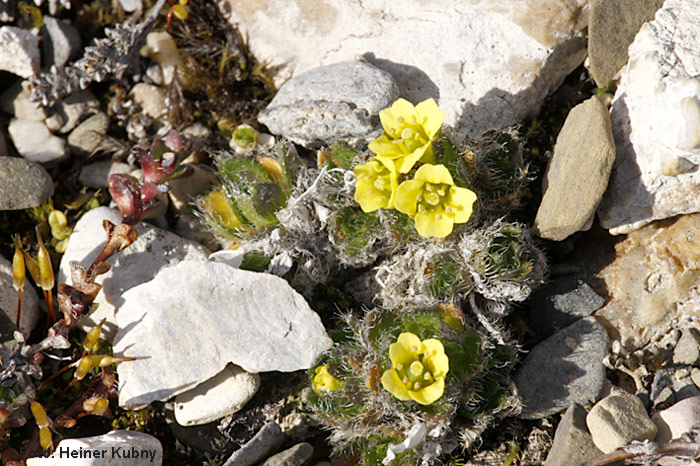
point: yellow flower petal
(433, 224)
(436, 174)
(406, 349)
(430, 394)
(393, 384)
(430, 117)
(461, 200)
(401, 108)
(385, 147)
(406, 163)
(436, 360)
(368, 197)
(407, 195)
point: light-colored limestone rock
(117, 448)
(572, 443)
(656, 123)
(15, 101)
(224, 394)
(578, 173)
(151, 99)
(84, 139)
(23, 183)
(653, 282)
(678, 419)
(340, 101)
(66, 114)
(487, 63)
(194, 318)
(618, 419)
(34, 141)
(154, 250)
(19, 53)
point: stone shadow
(414, 84)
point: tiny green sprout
(434, 201)
(59, 230)
(244, 138)
(418, 369)
(409, 133)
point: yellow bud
(39, 413)
(33, 267)
(45, 437)
(45, 267)
(84, 365)
(93, 335)
(180, 11)
(59, 225)
(272, 167)
(101, 406)
(19, 272)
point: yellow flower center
(415, 376)
(434, 199)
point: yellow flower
(216, 205)
(376, 185)
(418, 369)
(323, 381)
(409, 133)
(432, 198)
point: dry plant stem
(642, 455)
(19, 305)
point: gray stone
(565, 368)
(195, 229)
(670, 385)
(151, 99)
(65, 115)
(85, 138)
(34, 141)
(687, 350)
(678, 419)
(611, 29)
(61, 42)
(212, 314)
(19, 53)
(96, 175)
(618, 419)
(295, 456)
(325, 104)
(224, 394)
(15, 101)
(572, 443)
(115, 444)
(23, 184)
(9, 296)
(266, 441)
(154, 250)
(578, 173)
(488, 64)
(656, 122)
(560, 304)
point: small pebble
(295, 456)
(84, 139)
(687, 350)
(265, 442)
(34, 141)
(61, 41)
(678, 419)
(19, 53)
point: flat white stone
(678, 419)
(117, 448)
(487, 63)
(154, 250)
(186, 324)
(19, 53)
(224, 394)
(8, 299)
(656, 123)
(34, 141)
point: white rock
(224, 394)
(152, 99)
(117, 448)
(197, 316)
(34, 141)
(154, 250)
(86, 137)
(15, 101)
(131, 5)
(488, 63)
(161, 47)
(66, 114)
(96, 175)
(656, 123)
(19, 53)
(8, 299)
(618, 419)
(678, 419)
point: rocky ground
(578, 122)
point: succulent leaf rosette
(418, 369)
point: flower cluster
(431, 198)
